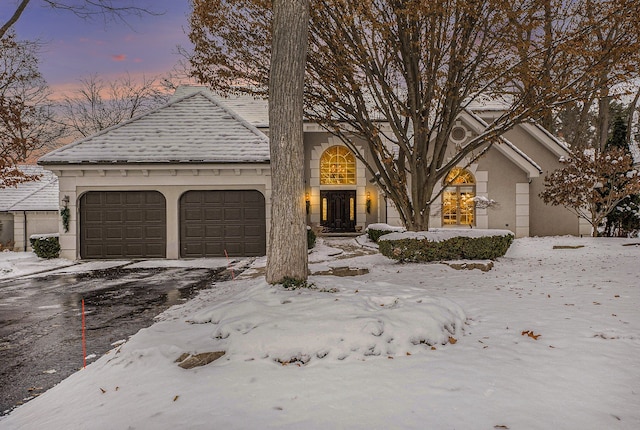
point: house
(192, 179)
(28, 208)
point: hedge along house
(190, 179)
(28, 208)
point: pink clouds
(142, 46)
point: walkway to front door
(338, 210)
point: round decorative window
(458, 133)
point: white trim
(522, 209)
(546, 138)
(482, 187)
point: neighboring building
(192, 179)
(28, 208)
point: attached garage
(215, 223)
(190, 179)
(123, 224)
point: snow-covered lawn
(547, 339)
(14, 264)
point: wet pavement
(41, 319)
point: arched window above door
(337, 166)
(458, 176)
(458, 204)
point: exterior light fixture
(307, 202)
(368, 201)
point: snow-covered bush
(374, 231)
(311, 238)
(422, 249)
(483, 202)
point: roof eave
(148, 162)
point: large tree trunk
(287, 252)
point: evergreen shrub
(45, 246)
(374, 231)
(311, 238)
(456, 248)
(374, 235)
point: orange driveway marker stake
(84, 340)
(233, 276)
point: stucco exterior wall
(503, 177)
(6, 228)
(172, 181)
(545, 220)
(37, 222)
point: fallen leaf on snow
(531, 334)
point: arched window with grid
(337, 166)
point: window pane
(324, 209)
(337, 167)
(449, 206)
(352, 212)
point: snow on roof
(41, 194)
(252, 109)
(487, 104)
(194, 128)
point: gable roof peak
(193, 127)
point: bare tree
(27, 117)
(105, 9)
(397, 75)
(97, 104)
(287, 253)
(610, 40)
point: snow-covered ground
(547, 339)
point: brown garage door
(123, 224)
(212, 222)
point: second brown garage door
(212, 222)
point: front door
(338, 210)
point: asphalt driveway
(41, 320)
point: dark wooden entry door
(338, 210)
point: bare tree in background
(98, 104)
(26, 114)
(27, 119)
(610, 40)
(84, 9)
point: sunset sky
(76, 48)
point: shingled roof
(38, 195)
(195, 128)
